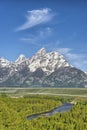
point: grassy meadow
(45, 91)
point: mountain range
(41, 70)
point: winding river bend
(65, 107)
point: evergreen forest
(15, 110)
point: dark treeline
(14, 112)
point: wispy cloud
(64, 50)
(45, 32)
(31, 40)
(77, 60)
(36, 39)
(36, 17)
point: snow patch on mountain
(48, 62)
(4, 62)
(85, 72)
(43, 69)
(20, 59)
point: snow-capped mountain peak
(41, 52)
(4, 62)
(43, 69)
(48, 62)
(20, 59)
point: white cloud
(36, 17)
(38, 37)
(64, 50)
(31, 40)
(45, 32)
(77, 60)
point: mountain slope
(49, 62)
(42, 70)
(66, 77)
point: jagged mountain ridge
(48, 62)
(42, 70)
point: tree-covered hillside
(14, 112)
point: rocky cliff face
(42, 70)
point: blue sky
(58, 25)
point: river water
(65, 107)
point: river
(65, 107)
